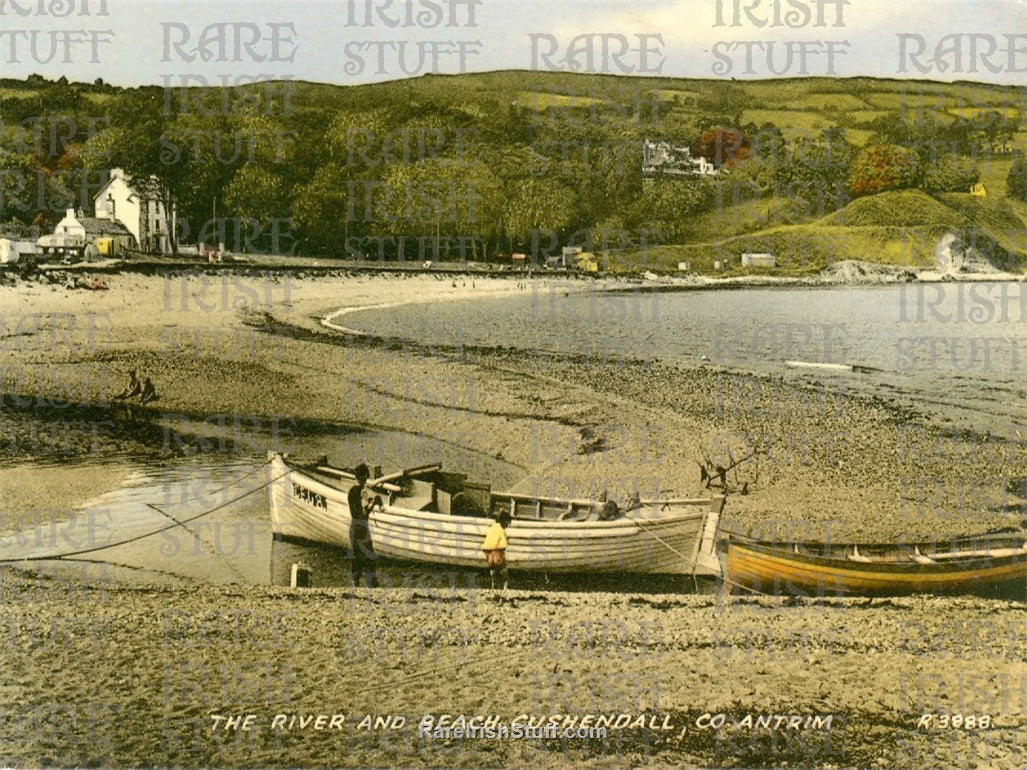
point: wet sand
(126, 688)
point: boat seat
(415, 503)
(464, 504)
(570, 514)
(857, 556)
(919, 558)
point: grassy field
(545, 100)
(807, 249)
(746, 217)
(894, 228)
(859, 136)
(994, 171)
(790, 121)
(973, 112)
(844, 102)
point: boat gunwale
(949, 566)
(955, 541)
(753, 569)
(624, 520)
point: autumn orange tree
(883, 167)
(722, 145)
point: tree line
(344, 165)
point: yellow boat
(961, 565)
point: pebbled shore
(111, 675)
(251, 349)
(129, 675)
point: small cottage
(14, 250)
(76, 232)
(758, 259)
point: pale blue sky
(692, 45)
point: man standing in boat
(361, 503)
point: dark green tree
(1016, 180)
(950, 173)
(670, 205)
(142, 149)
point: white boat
(430, 515)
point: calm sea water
(957, 352)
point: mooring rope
(232, 483)
(235, 482)
(177, 522)
(196, 535)
(723, 577)
(656, 537)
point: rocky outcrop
(852, 271)
(953, 255)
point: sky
(161, 42)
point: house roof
(99, 227)
(144, 187)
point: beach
(117, 674)
(254, 347)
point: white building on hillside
(136, 203)
(663, 158)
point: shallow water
(956, 352)
(206, 517)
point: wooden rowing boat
(429, 515)
(961, 565)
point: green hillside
(481, 165)
(895, 228)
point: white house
(663, 158)
(136, 203)
(75, 232)
(758, 259)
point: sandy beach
(129, 675)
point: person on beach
(132, 389)
(149, 392)
(361, 503)
(494, 547)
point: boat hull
(773, 569)
(679, 541)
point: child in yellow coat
(494, 547)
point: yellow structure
(113, 246)
(108, 247)
(586, 262)
(979, 189)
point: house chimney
(69, 214)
